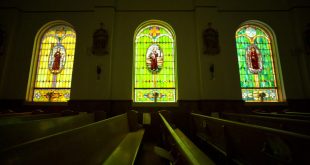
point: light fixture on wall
(211, 69)
(98, 71)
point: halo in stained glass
(154, 58)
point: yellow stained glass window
(54, 65)
(155, 65)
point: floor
(147, 155)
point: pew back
(13, 134)
(285, 115)
(252, 144)
(90, 144)
(293, 125)
(24, 117)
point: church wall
(224, 84)
(300, 22)
(9, 22)
(87, 84)
(121, 18)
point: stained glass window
(256, 64)
(155, 79)
(54, 65)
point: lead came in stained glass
(256, 68)
(154, 65)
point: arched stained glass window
(53, 64)
(257, 69)
(154, 65)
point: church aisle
(146, 155)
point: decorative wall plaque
(100, 41)
(211, 41)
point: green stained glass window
(53, 65)
(256, 64)
(155, 79)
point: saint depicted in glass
(54, 65)
(155, 79)
(154, 58)
(256, 64)
(254, 59)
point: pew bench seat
(187, 151)
(195, 151)
(126, 152)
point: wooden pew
(24, 117)
(293, 125)
(297, 113)
(189, 152)
(285, 115)
(251, 144)
(17, 133)
(127, 151)
(91, 144)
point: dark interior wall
(22, 20)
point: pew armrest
(126, 152)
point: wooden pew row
(190, 153)
(244, 143)
(297, 113)
(293, 125)
(285, 115)
(91, 144)
(17, 133)
(14, 114)
(26, 117)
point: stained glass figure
(54, 65)
(254, 59)
(155, 79)
(154, 58)
(258, 78)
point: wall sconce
(211, 69)
(98, 70)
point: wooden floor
(146, 154)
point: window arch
(257, 59)
(154, 63)
(52, 63)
